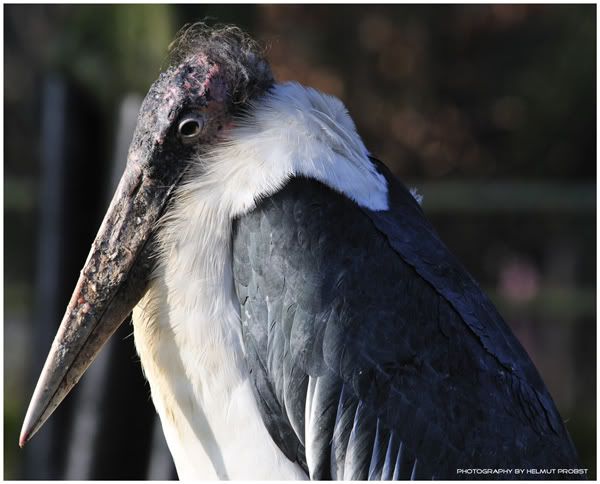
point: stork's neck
(188, 335)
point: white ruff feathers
(294, 130)
(187, 327)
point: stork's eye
(190, 128)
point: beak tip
(28, 429)
(23, 439)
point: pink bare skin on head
(212, 82)
(197, 83)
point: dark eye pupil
(189, 128)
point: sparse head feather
(214, 73)
(240, 58)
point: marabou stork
(295, 313)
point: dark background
(490, 111)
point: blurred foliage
(108, 49)
(453, 90)
(121, 58)
(459, 93)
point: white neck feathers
(291, 131)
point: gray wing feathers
(360, 367)
(314, 403)
(341, 434)
(320, 423)
(360, 444)
(380, 446)
(294, 393)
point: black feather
(410, 371)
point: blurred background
(490, 111)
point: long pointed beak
(111, 282)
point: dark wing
(373, 353)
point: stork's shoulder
(375, 300)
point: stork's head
(214, 74)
